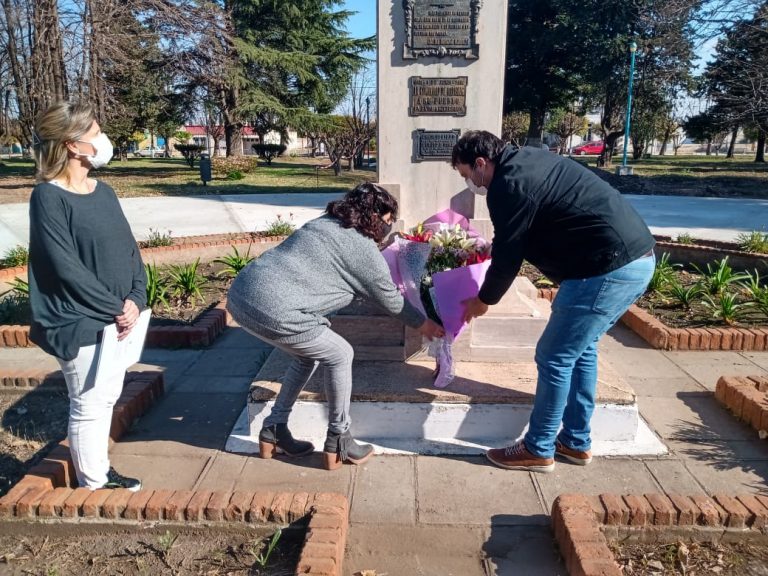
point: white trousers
(90, 415)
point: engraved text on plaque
(438, 96)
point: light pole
(625, 170)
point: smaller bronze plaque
(438, 96)
(434, 144)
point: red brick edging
(746, 397)
(203, 332)
(580, 522)
(662, 337)
(48, 490)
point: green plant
(157, 287)
(663, 274)
(754, 241)
(166, 542)
(234, 262)
(20, 287)
(223, 165)
(269, 151)
(686, 296)
(186, 282)
(685, 238)
(280, 227)
(756, 292)
(155, 239)
(16, 256)
(263, 557)
(235, 175)
(717, 278)
(725, 306)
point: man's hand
(431, 330)
(127, 320)
(474, 307)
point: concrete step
(396, 407)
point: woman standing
(283, 298)
(85, 272)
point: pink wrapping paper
(452, 287)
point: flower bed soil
(609, 534)
(692, 559)
(148, 551)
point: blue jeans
(566, 354)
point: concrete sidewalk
(704, 218)
(446, 515)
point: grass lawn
(689, 176)
(173, 177)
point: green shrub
(685, 296)
(663, 274)
(157, 287)
(223, 165)
(191, 152)
(754, 241)
(718, 277)
(186, 282)
(269, 151)
(725, 307)
(16, 256)
(280, 227)
(685, 238)
(234, 262)
(14, 303)
(155, 239)
(235, 175)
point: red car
(595, 147)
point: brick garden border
(203, 332)
(746, 397)
(662, 337)
(584, 524)
(46, 491)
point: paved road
(706, 218)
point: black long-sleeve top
(558, 215)
(83, 264)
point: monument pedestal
(396, 408)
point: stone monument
(440, 73)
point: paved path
(446, 515)
(706, 218)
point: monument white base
(445, 428)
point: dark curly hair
(362, 209)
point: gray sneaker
(116, 480)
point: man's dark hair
(362, 209)
(476, 144)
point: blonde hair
(62, 122)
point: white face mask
(103, 147)
(474, 188)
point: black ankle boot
(340, 448)
(277, 439)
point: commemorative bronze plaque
(441, 28)
(438, 96)
(434, 144)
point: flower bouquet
(437, 266)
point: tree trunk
(232, 125)
(709, 147)
(732, 144)
(536, 127)
(667, 135)
(760, 155)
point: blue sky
(363, 23)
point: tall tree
(737, 79)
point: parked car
(149, 152)
(595, 147)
